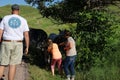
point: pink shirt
(56, 54)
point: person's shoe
(72, 78)
(67, 79)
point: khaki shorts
(11, 53)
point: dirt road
(21, 72)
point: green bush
(92, 34)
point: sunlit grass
(37, 73)
(35, 19)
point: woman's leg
(53, 66)
(59, 62)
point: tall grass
(96, 73)
(37, 73)
(106, 73)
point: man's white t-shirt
(14, 26)
(72, 51)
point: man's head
(67, 34)
(15, 7)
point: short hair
(15, 7)
(67, 33)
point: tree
(94, 26)
(67, 10)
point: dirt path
(21, 72)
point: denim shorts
(11, 53)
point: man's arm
(68, 46)
(1, 32)
(26, 35)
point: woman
(56, 56)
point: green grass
(96, 73)
(106, 73)
(37, 73)
(35, 20)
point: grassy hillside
(35, 20)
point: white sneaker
(67, 79)
(72, 78)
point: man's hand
(26, 51)
(26, 34)
(1, 32)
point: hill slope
(35, 20)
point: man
(13, 28)
(71, 53)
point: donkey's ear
(0, 19)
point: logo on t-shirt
(14, 22)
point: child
(56, 56)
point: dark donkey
(38, 47)
(38, 54)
